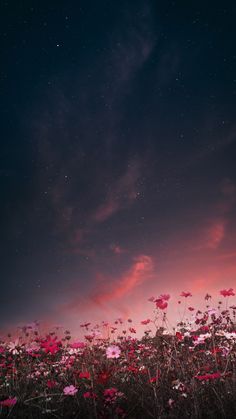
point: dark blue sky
(117, 153)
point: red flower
(133, 369)
(51, 383)
(51, 345)
(191, 308)
(85, 374)
(185, 294)
(208, 376)
(89, 395)
(161, 303)
(165, 297)
(227, 293)
(103, 377)
(179, 336)
(145, 321)
(9, 402)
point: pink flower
(170, 402)
(145, 321)
(70, 390)
(9, 402)
(110, 392)
(185, 294)
(227, 293)
(161, 304)
(113, 351)
(85, 325)
(165, 297)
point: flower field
(186, 372)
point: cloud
(140, 272)
(123, 193)
(132, 47)
(215, 234)
(108, 294)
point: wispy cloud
(215, 234)
(123, 192)
(140, 272)
(108, 293)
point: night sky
(118, 149)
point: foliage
(188, 372)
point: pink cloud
(140, 272)
(210, 236)
(215, 235)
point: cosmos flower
(84, 374)
(70, 390)
(185, 294)
(165, 297)
(179, 336)
(51, 383)
(14, 347)
(113, 351)
(32, 347)
(160, 303)
(227, 293)
(170, 402)
(110, 392)
(145, 321)
(212, 311)
(104, 376)
(89, 395)
(50, 345)
(9, 402)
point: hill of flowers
(188, 372)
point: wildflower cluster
(189, 371)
